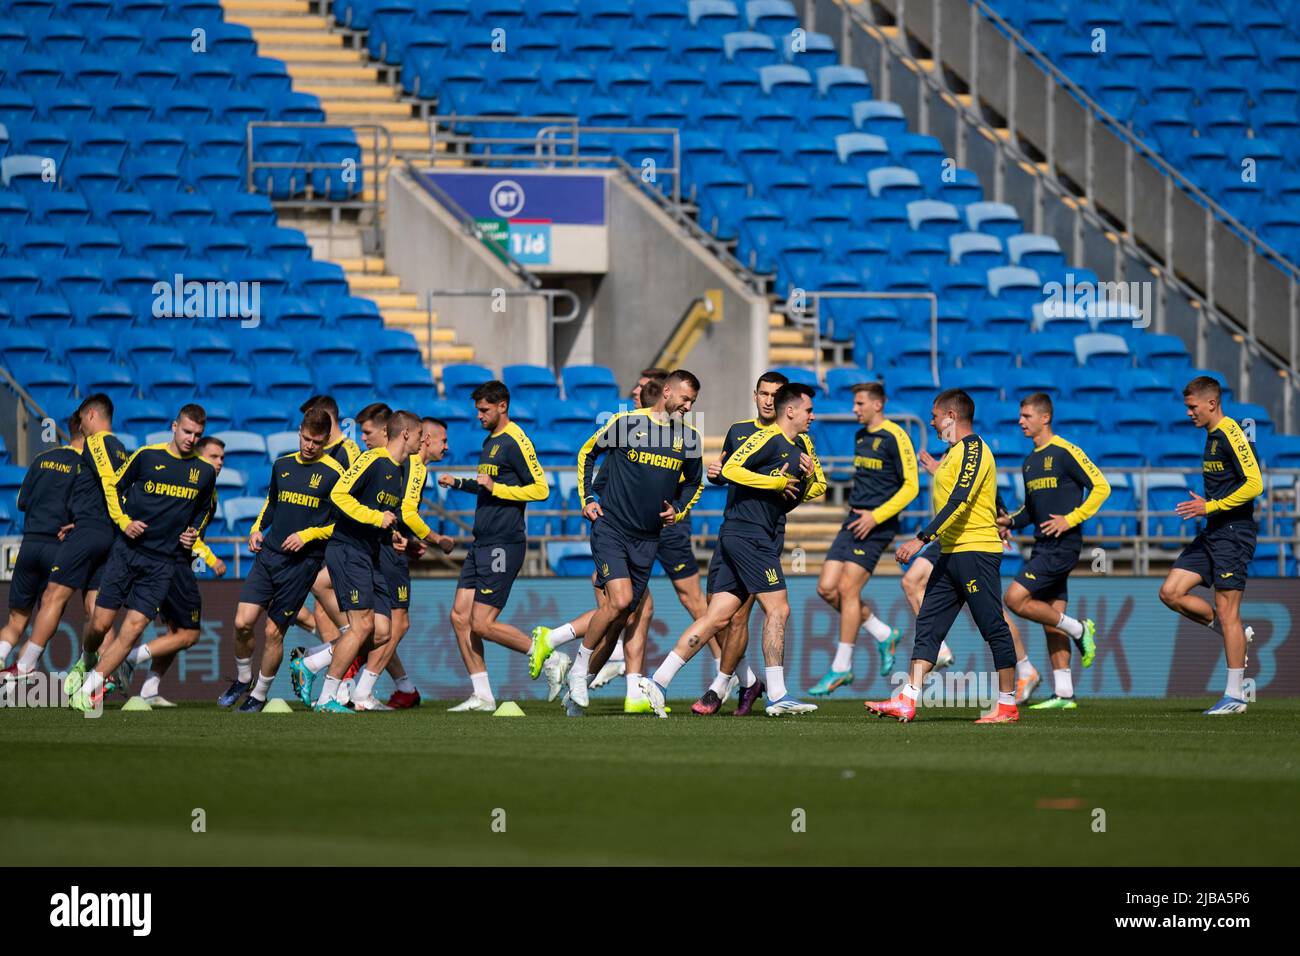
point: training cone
(508, 709)
(136, 703)
(277, 706)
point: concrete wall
(425, 246)
(656, 269)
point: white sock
(1008, 698)
(94, 681)
(719, 685)
(139, 655)
(843, 657)
(581, 664)
(1235, 675)
(618, 651)
(403, 685)
(668, 669)
(366, 684)
(1070, 626)
(328, 691)
(29, 656)
(877, 628)
(1024, 668)
(244, 669)
(319, 647)
(5, 648)
(561, 635)
(319, 658)
(263, 686)
(911, 692)
(775, 682)
(1063, 682)
(482, 686)
(633, 688)
(151, 684)
(748, 677)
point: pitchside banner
(1143, 649)
(549, 221)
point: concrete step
(394, 300)
(409, 317)
(363, 282)
(314, 56)
(350, 112)
(332, 93)
(362, 264)
(776, 319)
(790, 355)
(262, 7)
(315, 39)
(784, 336)
(452, 355)
(292, 22)
(330, 74)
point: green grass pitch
(426, 787)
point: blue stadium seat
(1099, 350)
(593, 385)
(570, 559)
(166, 382)
(284, 383)
(459, 381)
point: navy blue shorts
(135, 580)
(79, 563)
(397, 574)
(355, 577)
(675, 554)
(36, 556)
(972, 578)
(1221, 556)
(490, 571)
(747, 564)
(867, 551)
(1046, 575)
(280, 583)
(182, 608)
(619, 555)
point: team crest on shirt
(771, 576)
(875, 445)
(677, 444)
(493, 452)
(402, 592)
(604, 570)
(315, 481)
(194, 617)
(355, 596)
(194, 476)
(1047, 463)
(1214, 446)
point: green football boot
(332, 706)
(540, 650)
(72, 683)
(1088, 643)
(1055, 703)
(829, 683)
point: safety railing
(555, 142)
(352, 174)
(967, 110)
(551, 296)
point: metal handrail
(470, 226)
(1132, 140)
(550, 295)
(1006, 145)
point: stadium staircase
(351, 92)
